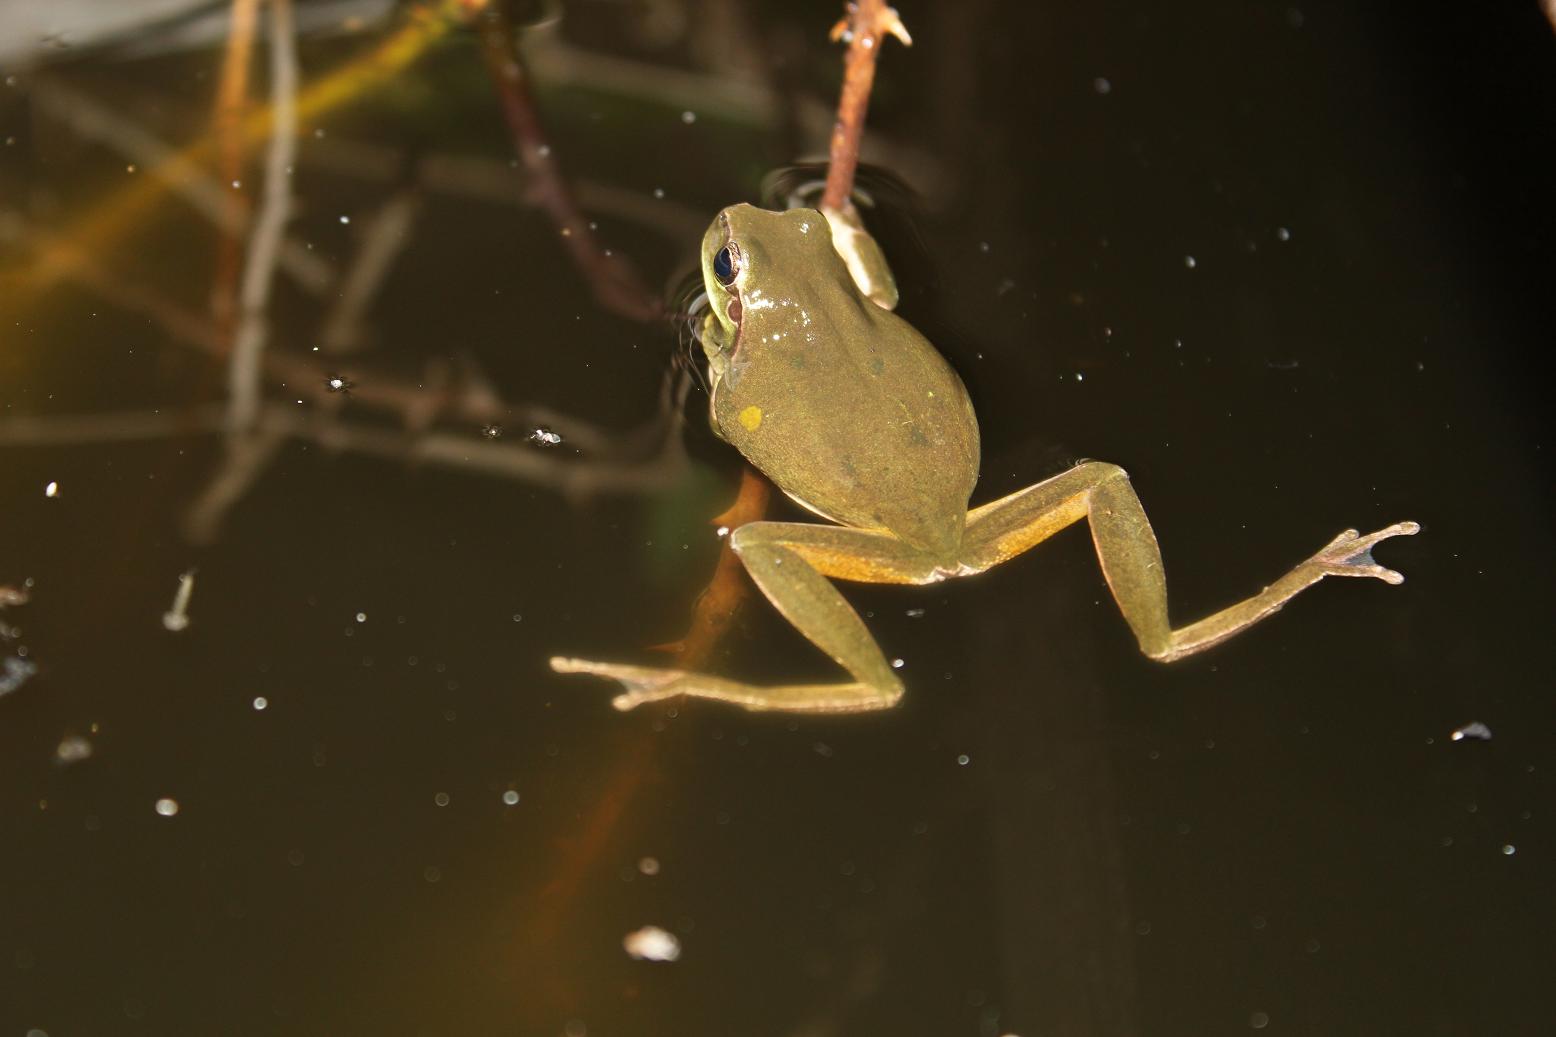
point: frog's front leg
(791, 563)
(1132, 563)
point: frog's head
(752, 256)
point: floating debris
(14, 672)
(335, 383)
(649, 865)
(51, 490)
(545, 437)
(177, 617)
(12, 596)
(491, 431)
(167, 807)
(1476, 730)
(652, 943)
(72, 749)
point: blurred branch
(522, 461)
(275, 208)
(614, 281)
(383, 239)
(227, 131)
(101, 225)
(468, 399)
(152, 157)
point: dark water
(1050, 835)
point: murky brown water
(1289, 265)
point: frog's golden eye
(726, 264)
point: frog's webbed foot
(1350, 554)
(640, 683)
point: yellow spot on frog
(751, 418)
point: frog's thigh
(791, 561)
(841, 552)
(1126, 545)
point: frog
(860, 420)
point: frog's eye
(726, 264)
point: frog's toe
(1350, 553)
(640, 683)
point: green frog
(854, 415)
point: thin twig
(865, 27)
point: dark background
(1278, 835)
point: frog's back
(855, 415)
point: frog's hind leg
(791, 563)
(1132, 562)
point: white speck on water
(1509, 849)
(963, 760)
(177, 617)
(441, 799)
(659, 192)
(167, 807)
(261, 703)
(1102, 86)
(652, 943)
(51, 490)
(1475, 730)
(237, 185)
(72, 749)
(1259, 1020)
(361, 617)
(1282, 234)
(648, 865)
(511, 798)
(688, 117)
(345, 219)
(1190, 262)
(897, 664)
(14, 672)
(722, 531)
